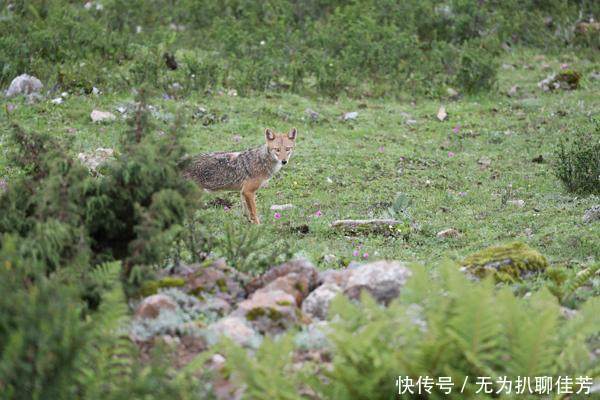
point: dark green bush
(577, 162)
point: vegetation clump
(506, 263)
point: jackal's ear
(269, 134)
(292, 134)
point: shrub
(577, 160)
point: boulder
(152, 306)
(235, 328)
(96, 158)
(215, 280)
(317, 303)
(102, 116)
(24, 84)
(590, 215)
(304, 270)
(382, 279)
(269, 312)
(293, 284)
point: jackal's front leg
(249, 204)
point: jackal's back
(229, 170)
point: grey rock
(313, 115)
(269, 311)
(153, 305)
(96, 158)
(24, 84)
(382, 279)
(349, 116)
(313, 336)
(102, 116)
(234, 328)
(317, 303)
(592, 214)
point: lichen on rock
(152, 287)
(506, 263)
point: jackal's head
(281, 145)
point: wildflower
(450, 154)
(318, 213)
(456, 129)
(365, 255)
(277, 215)
(381, 149)
(355, 253)
(226, 208)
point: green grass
(354, 169)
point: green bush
(577, 160)
(445, 326)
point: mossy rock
(507, 263)
(568, 79)
(152, 287)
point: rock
(568, 313)
(382, 279)
(484, 162)
(507, 263)
(215, 305)
(33, 98)
(313, 115)
(281, 207)
(152, 306)
(349, 116)
(58, 100)
(317, 303)
(313, 336)
(565, 80)
(448, 233)
(95, 159)
(513, 91)
(336, 276)
(269, 311)
(452, 93)
(234, 328)
(411, 122)
(590, 215)
(24, 84)
(102, 116)
(508, 66)
(329, 258)
(355, 226)
(302, 267)
(293, 283)
(215, 280)
(595, 76)
(442, 115)
(518, 203)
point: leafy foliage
(445, 326)
(577, 162)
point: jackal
(245, 171)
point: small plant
(577, 162)
(247, 250)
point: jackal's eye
(278, 150)
(288, 149)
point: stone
(517, 203)
(337, 276)
(281, 207)
(591, 214)
(293, 283)
(448, 233)
(95, 159)
(452, 93)
(442, 115)
(313, 115)
(302, 267)
(215, 280)
(269, 311)
(153, 305)
(565, 80)
(234, 328)
(484, 162)
(382, 279)
(317, 303)
(349, 116)
(513, 91)
(102, 116)
(24, 84)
